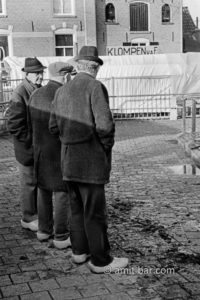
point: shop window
(139, 16)
(110, 12)
(64, 44)
(165, 13)
(2, 7)
(63, 7)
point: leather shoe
(33, 225)
(79, 258)
(42, 236)
(115, 266)
(62, 244)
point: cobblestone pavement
(154, 219)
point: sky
(194, 8)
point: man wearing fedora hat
(82, 117)
(47, 167)
(18, 127)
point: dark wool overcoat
(18, 124)
(47, 147)
(81, 115)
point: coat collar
(84, 74)
(53, 82)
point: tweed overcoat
(46, 147)
(81, 115)
(17, 123)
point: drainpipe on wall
(90, 22)
(85, 22)
(75, 29)
(181, 25)
(53, 28)
(10, 40)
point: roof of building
(188, 23)
(191, 42)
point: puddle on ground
(185, 169)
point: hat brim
(65, 70)
(90, 58)
(33, 69)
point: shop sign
(131, 50)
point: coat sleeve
(103, 119)
(53, 126)
(29, 121)
(17, 117)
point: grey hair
(88, 66)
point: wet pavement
(154, 219)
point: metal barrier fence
(141, 106)
(141, 103)
(190, 107)
(140, 97)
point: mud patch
(183, 258)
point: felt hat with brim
(59, 68)
(33, 65)
(89, 53)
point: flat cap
(59, 68)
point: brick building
(46, 27)
(116, 27)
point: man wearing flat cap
(18, 127)
(81, 115)
(47, 167)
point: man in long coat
(18, 127)
(47, 167)
(81, 115)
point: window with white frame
(64, 44)
(139, 16)
(63, 7)
(2, 7)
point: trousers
(28, 193)
(57, 223)
(88, 222)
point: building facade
(139, 27)
(116, 27)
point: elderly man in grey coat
(81, 115)
(18, 127)
(47, 167)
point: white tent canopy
(142, 74)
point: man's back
(82, 109)
(86, 129)
(46, 146)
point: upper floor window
(64, 44)
(2, 7)
(165, 13)
(64, 7)
(110, 12)
(139, 16)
